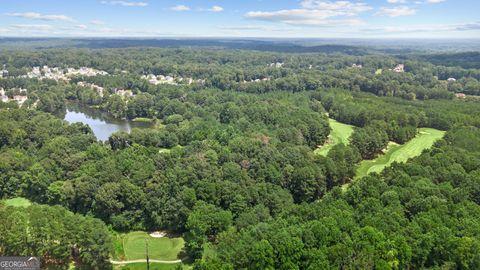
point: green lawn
(340, 134)
(164, 151)
(164, 248)
(143, 266)
(18, 202)
(400, 153)
(143, 119)
(169, 150)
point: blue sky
(242, 18)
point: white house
(399, 68)
(124, 93)
(20, 99)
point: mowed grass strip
(164, 248)
(143, 266)
(17, 202)
(400, 153)
(340, 134)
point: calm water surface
(102, 124)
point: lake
(102, 123)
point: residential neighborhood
(161, 79)
(99, 89)
(58, 74)
(20, 99)
(123, 93)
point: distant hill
(329, 46)
(245, 44)
(464, 59)
(226, 44)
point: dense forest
(230, 164)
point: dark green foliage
(230, 164)
(55, 235)
(203, 224)
(369, 141)
(340, 164)
(404, 219)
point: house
(399, 68)
(451, 80)
(35, 72)
(92, 86)
(2, 92)
(154, 81)
(97, 88)
(357, 66)
(123, 93)
(277, 64)
(4, 98)
(256, 80)
(20, 99)
(460, 95)
(84, 71)
(4, 72)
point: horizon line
(236, 37)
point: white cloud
(346, 7)
(216, 9)
(397, 1)
(97, 22)
(468, 26)
(125, 3)
(301, 17)
(32, 27)
(428, 28)
(38, 16)
(315, 13)
(435, 1)
(396, 11)
(242, 28)
(180, 8)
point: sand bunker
(158, 234)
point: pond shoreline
(103, 124)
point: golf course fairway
(164, 248)
(164, 252)
(425, 139)
(340, 134)
(143, 266)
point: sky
(241, 18)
